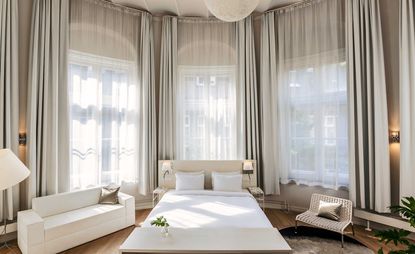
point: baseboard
(12, 227)
(278, 205)
(143, 205)
(11, 233)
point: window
(206, 109)
(318, 153)
(103, 118)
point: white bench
(59, 222)
(310, 216)
(205, 240)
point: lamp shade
(248, 166)
(166, 167)
(12, 170)
(231, 10)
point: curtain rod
(111, 4)
(300, 4)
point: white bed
(209, 209)
(206, 217)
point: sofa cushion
(65, 202)
(77, 220)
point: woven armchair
(310, 217)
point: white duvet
(206, 208)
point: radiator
(382, 219)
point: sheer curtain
(111, 87)
(206, 117)
(304, 94)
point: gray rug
(311, 245)
(310, 240)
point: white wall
(389, 10)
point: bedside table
(259, 195)
(158, 194)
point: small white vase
(165, 231)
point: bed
(209, 209)
(199, 218)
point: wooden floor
(109, 244)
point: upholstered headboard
(208, 167)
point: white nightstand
(158, 194)
(259, 195)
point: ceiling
(191, 8)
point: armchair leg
(342, 240)
(296, 223)
(353, 228)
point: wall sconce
(166, 168)
(248, 168)
(394, 137)
(22, 139)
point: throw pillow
(329, 210)
(109, 194)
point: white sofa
(59, 222)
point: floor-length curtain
(111, 97)
(247, 101)
(168, 72)
(304, 96)
(268, 91)
(148, 132)
(407, 98)
(368, 119)
(9, 87)
(47, 123)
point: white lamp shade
(231, 10)
(12, 170)
(248, 166)
(166, 167)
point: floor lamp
(12, 172)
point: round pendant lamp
(231, 10)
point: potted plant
(399, 236)
(163, 224)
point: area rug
(312, 240)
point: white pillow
(190, 181)
(227, 182)
(223, 173)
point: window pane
(103, 117)
(318, 124)
(206, 109)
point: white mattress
(211, 209)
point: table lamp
(166, 168)
(248, 168)
(12, 172)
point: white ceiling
(191, 8)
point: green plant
(160, 222)
(399, 236)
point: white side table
(259, 195)
(158, 194)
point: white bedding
(212, 209)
